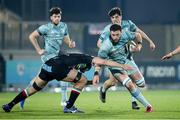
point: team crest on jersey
(53, 32)
(62, 30)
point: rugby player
(54, 34)
(127, 25)
(113, 48)
(61, 68)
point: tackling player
(61, 68)
(54, 34)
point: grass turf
(44, 105)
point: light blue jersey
(126, 25)
(116, 52)
(53, 36)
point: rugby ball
(130, 46)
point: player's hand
(96, 80)
(127, 67)
(72, 44)
(152, 46)
(168, 56)
(41, 51)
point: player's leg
(37, 86)
(135, 92)
(107, 84)
(64, 86)
(137, 79)
(79, 82)
(23, 101)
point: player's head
(116, 15)
(115, 32)
(55, 15)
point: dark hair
(115, 10)
(55, 10)
(115, 27)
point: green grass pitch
(44, 105)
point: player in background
(61, 67)
(127, 25)
(113, 48)
(54, 34)
(171, 54)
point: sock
(73, 96)
(138, 95)
(133, 99)
(103, 88)
(64, 92)
(21, 96)
(22, 102)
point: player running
(113, 48)
(136, 76)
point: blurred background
(159, 19)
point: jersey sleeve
(42, 30)
(133, 27)
(66, 30)
(105, 33)
(129, 36)
(103, 51)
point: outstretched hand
(167, 56)
(152, 46)
(96, 80)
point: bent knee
(140, 83)
(82, 81)
(110, 82)
(129, 84)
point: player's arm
(69, 42)
(99, 62)
(96, 75)
(171, 54)
(99, 42)
(102, 37)
(145, 37)
(138, 38)
(33, 38)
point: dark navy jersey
(58, 67)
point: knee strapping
(36, 87)
(140, 83)
(126, 81)
(78, 77)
